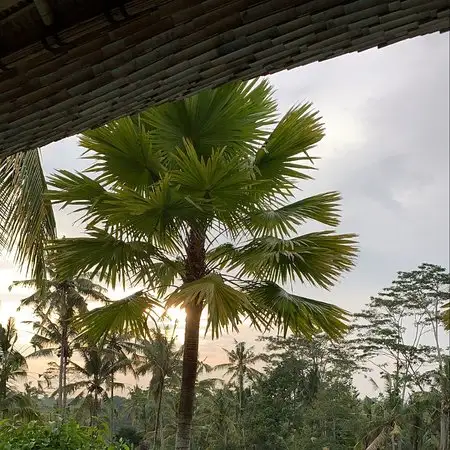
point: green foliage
(163, 185)
(333, 420)
(13, 367)
(129, 435)
(414, 374)
(53, 436)
(118, 317)
(26, 216)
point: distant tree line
(297, 394)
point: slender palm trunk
(64, 398)
(195, 270)
(95, 409)
(91, 414)
(444, 443)
(190, 362)
(111, 412)
(63, 368)
(3, 386)
(415, 432)
(445, 429)
(60, 378)
(241, 394)
(156, 439)
(241, 389)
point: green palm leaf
(123, 153)
(226, 305)
(235, 116)
(284, 157)
(102, 254)
(276, 308)
(129, 315)
(323, 208)
(318, 258)
(26, 215)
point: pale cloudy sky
(386, 150)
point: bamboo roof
(69, 65)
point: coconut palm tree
(26, 216)
(95, 373)
(240, 361)
(197, 199)
(216, 417)
(159, 356)
(119, 348)
(56, 303)
(239, 366)
(13, 366)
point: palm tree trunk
(111, 412)
(445, 431)
(156, 440)
(64, 397)
(64, 361)
(95, 408)
(444, 443)
(241, 394)
(190, 362)
(241, 391)
(91, 412)
(3, 386)
(60, 378)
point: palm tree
(26, 216)
(56, 303)
(159, 356)
(196, 198)
(240, 360)
(216, 417)
(13, 366)
(13, 363)
(96, 370)
(118, 348)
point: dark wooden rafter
(90, 61)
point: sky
(386, 113)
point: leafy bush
(53, 435)
(130, 435)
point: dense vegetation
(296, 393)
(195, 205)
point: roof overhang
(69, 65)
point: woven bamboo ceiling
(69, 65)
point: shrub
(130, 435)
(53, 435)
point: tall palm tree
(56, 303)
(159, 356)
(216, 417)
(95, 373)
(239, 366)
(13, 366)
(118, 348)
(26, 216)
(196, 198)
